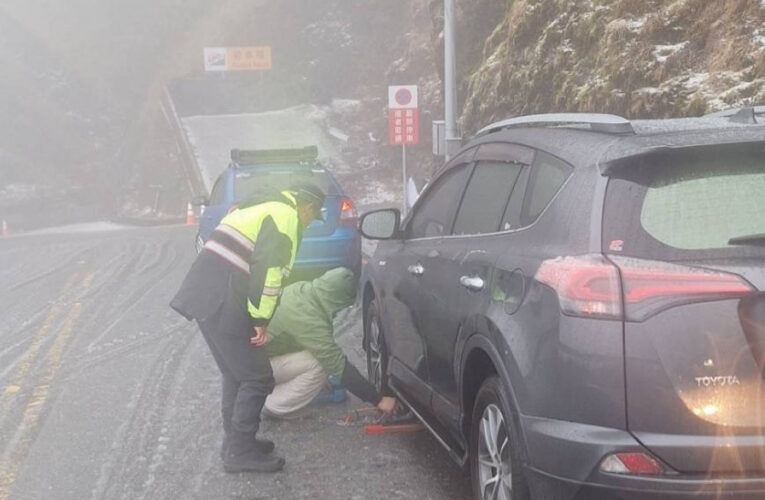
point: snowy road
(106, 393)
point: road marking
(21, 442)
(31, 354)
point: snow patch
(213, 137)
(89, 227)
(375, 192)
(637, 24)
(696, 80)
(662, 52)
(14, 193)
(345, 105)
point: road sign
(402, 97)
(403, 115)
(403, 126)
(237, 58)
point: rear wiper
(749, 239)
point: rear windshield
(687, 207)
(279, 178)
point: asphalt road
(107, 393)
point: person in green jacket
(302, 347)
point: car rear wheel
(199, 243)
(495, 459)
(377, 353)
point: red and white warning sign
(403, 115)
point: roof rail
(746, 114)
(599, 122)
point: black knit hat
(305, 193)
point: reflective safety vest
(260, 242)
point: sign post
(403, 124)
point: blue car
(327, 243)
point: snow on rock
(662, 52)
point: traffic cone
(191, 219)
(5, 229)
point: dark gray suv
(575, 308)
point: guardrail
(190, 166)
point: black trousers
(246, 370)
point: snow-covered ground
(213, 137)
(87, 227)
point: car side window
(512, 217)
(486, 196)
(547, 176)
(216, 196)
(434, 213)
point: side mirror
(200, 200)
(380, 224)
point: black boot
(262, 445)
(243, 456)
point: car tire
(495, 456)
(377, 351)
(199, 243)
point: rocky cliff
(636, 58)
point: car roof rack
(746, 114)
(599, 122)
(244, 157)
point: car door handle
(472, 283)
(416, 269)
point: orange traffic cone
(191, 219)
(5, 229)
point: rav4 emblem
(719, 381)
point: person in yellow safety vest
(232, 290)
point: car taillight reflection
(592, 285)
(631, 463)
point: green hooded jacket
(303, 320)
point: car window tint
(249, 182)
(723, 207)
(218, 191)
(486, 197)
(433, 214)
(547, 176)
(687, 207)
(512, 217)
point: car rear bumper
(564, 458)
(318, 254)
(636, 488)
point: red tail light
(589, 285)
(348, 215)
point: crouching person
(302, 347)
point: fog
(89, 89)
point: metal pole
(450, 72)
(403, 162)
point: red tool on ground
(376, 423)
(377, 429)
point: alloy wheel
(375, 354)
(494, 458)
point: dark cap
(306, 192)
